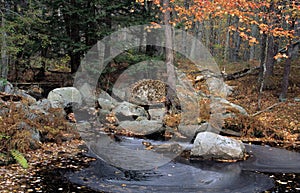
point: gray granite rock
(65, 96)
(141, 128)
(209, 145)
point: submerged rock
(209, 145)
(141, 128)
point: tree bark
(254, 32)
(71, 22)
(237, 42)
(4, 58)
(171, 80)
(227, 41)
(286, 74)
(271, 51)
(207, 32)
(262, 54)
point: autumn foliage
(271, 17)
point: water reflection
(172, 177)
(179, 175)
(270, 159)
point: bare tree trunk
(4, 58)
(271, 51)
(227, 41)
(263, 69)
(207, 30)
(297, 34)
(198, 35)
(286, 74)
(237, 42)
(254, 32)
(262, 54)
(171, 80)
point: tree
(19, 35)
(4, 61)
(271, 18)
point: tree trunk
(72, 27)
(227, 41)
(150, 46)
(207, 31)
(297, 34)
(237, 42)
(254, 32)
(4, 58)
(198, 35)
(271, 51)
(286, 74)
(263, 69)
(171, 80)
(262, 55)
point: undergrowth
(20, 127)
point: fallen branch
(241, 73)
(270, 107)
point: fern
(3, 136)
(19, 158)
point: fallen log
(240, 74)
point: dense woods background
(52, 35)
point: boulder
(230, 108)
(190, 131)
(157, 114)
(42, 105)
(64, 97)
(34, 138)
(129, 111)
(106, 102)
(5, 86)
(87, 93)
(105, 95)
(141, 128)
(35, 91)
(209, 145)
(25, 96)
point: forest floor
(276, 126)
(275, 123)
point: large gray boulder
(126, 110)
(190, 131)
(140, 128)
(63, 97)
(209, 145)
(106, 102)
(87, 93)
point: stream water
(267, 170)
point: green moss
(18, 156)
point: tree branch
(264, 110)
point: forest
(253, 44)
(46, 35)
